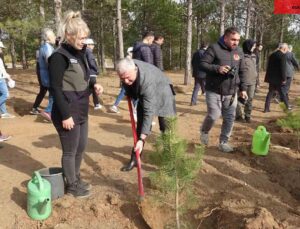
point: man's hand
(244, 95)
(98, 89)
(139, 146)
(68, 124)
(224, 69)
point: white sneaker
(7, 115)
(98, 106)
(225, 147)
(114, 109)
(204, 138)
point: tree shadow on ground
(19, 159)
(93, 146)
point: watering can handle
(262, 128)
(38, 176)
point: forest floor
(237, 190)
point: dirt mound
(263, 219)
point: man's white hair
(283, 45)
(124, 65)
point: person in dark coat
(93, 69)
(157, 53)
(142, 50)
(276, 76)
(292, 64)
(249, 75)
(222, 62)
(198, 75)
(156, 96)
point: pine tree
(176, 168)
(292, 121)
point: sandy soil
(236, 190)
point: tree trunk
(248, 19)
(233, 13)
(187, 74)
(261, 35)
(13, 52)
(42, 11)
(255, 27)
(120, 30)
(83, 5)
(177, 205)
(170, 52)
(222, 16)
(58, 6)
(102, 47)
(24, 54)
(281, 29)
(199, 22)
(180, 51)
(114, 43)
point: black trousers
(140, 116)
(73, 143)
(43, 90)
(272, 90)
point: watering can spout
(43, 205)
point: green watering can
(261, 141)
(38, 197)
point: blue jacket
(44, 53)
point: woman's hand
(68, 124)
(98, 89)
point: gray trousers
(218, 105)
(248, 106)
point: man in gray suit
(156, 96)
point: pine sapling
(292, 121)
(176, 168)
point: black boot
(131, 164)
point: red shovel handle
(137, 154)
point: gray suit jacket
(154, 93)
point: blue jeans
(48, 109)
(121, 96)
(218, 105)
(3, 96)
(199, 83)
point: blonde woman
(70, 84)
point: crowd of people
(227, 75)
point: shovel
(137, 154)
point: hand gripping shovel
(137, 154)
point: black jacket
(157, 56)
(142, 51)
(69, 85)
(276, 70)
(215, 56)
(197, 56)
